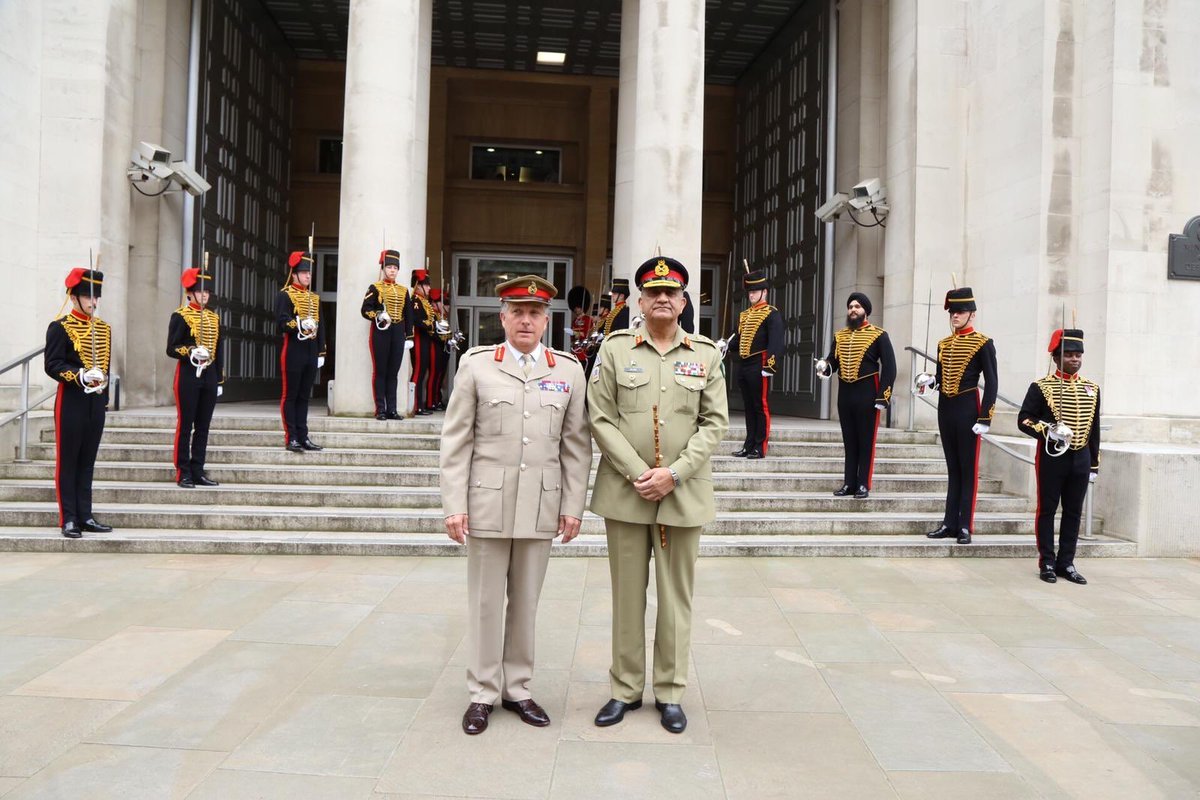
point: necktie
(526, 366)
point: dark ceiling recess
(507, 35)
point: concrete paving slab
(36, 730)
(104, 772)
(228, 784)
(604, 770)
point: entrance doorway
(476, 309)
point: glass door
(477, 309)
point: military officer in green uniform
(656, 400)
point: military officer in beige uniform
(654, 484)
(515, 458)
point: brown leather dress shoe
(476, 719)
(529, 712)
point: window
(493, 162)
(329, 156)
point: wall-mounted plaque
(1183, 253)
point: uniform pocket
(632, 391)
(554, 406)
(493, 411)
(687, 394)
(551, 501)
(485, 498)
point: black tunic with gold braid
(76, 342)
(617, 319)
(195, 395)
(1075, 401)
(963, 358)
(387, 346)
(298, 357)
(759, 348)
(866, 365)
(426, 343)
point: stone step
(814, 431)
(386, 442)
(425, 458)
(128, 494)
(257, 519)
(160, 540)
(300, 475)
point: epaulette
(623, 332)
(565, 354)
(698, 339)
(483, 348)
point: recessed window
(329, 156)
(494, 162)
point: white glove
(320, 361)
(1060, 432)
(220, 391)
(979, 429)
(766, 374)
(823, 369)
(1091, 477)
(924, 381)
(880, 407)
(408, 344)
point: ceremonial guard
(1062, 411)
(578, 300)
(515, 458)
(78, 351)
(618, 316)
(387, 306)
(963, 357)
(441, 355)
(656, 399)
(298, 315)
(194, 340)
(425, 346)
(759, 344)
(862, 356)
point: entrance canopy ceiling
(507, 34)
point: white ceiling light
(551, 57)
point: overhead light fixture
(491, 149)
(551, 57)
(537, 152)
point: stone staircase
(374, 490)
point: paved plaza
(221, 676)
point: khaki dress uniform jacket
(515, 455)
(687, 384)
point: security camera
(152, 159)
(833, 207)
(190, 180)
(868, 194)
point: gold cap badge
(661, 269)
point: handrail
(23, 412)
(912, 408)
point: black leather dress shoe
(753, 454)
(96, 527)
(204, 480)
(673, 718)
(845, 490)
(476, 719)
(1071, 574)
(381, 416)
(422, 412)
(309, 444)
(942, 532)
(185, 483)
(295, 447)
(1046, 573)
(614, 711)
(964, 536)
(71, 531)
(393, 415)
(740, 453)
(862, 493)
(529, 712)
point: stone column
(384, 170)
(660, 135)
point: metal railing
(916, 353)
(22, 413)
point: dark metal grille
(781, 102)
(244, 138)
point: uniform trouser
(441, 365)
(78, 426)
(630, 546)
(860, 425)
(387, 354)
(1060, 480)
(195, 400)
(755, 387)
(500, 642)
(299, 375)
(422, 372)
(956, 416)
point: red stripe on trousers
(766, 412)
(178, 421)
(371, 347)
(283, 397)
(58, 435)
